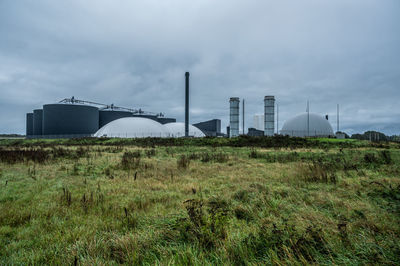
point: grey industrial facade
(210, 128)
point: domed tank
(177, 129)
(38, 122)
(106, 116)
(133, 127)
(29, 124)
(304, 125)
(152, 117)
(165, 120)
(70, 119)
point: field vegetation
(238, 201)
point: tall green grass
(125, 202)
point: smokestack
(234, 116)
(337, 117)
(277, 118)
(243, 116)
(269, 115)
(187, 104)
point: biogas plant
(75, 118)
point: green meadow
(241, 201)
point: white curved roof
(177, 129)
(132, 127)
(297, 126)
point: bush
(150, 153)
(317, 172)
(131, 160)
(242, 196)
(206, 226)
(242, 213)
(183, 162)
(282, 241)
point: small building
(255, 132)
(210, 128)
(340, 135)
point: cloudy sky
(135, 54)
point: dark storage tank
(70, 119)
(38, 122)
(106, 116)
(165, 120)
(29, 124)
(153, 117)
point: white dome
(297, 126)
(177, 129)
(132, 127)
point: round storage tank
(165, 120)
(29, 124)
(70, 119)
(133, 127)
(38, 122)
(303, 125)
(107, 116)
(177, 129)
(152, 117)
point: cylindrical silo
(29, 124)
(38, 122)
(234, 116)
(152, 117)
(70, 119)
(269, 115)
(165, 120)
(106, 116)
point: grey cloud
(135, 53)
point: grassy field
(199, 201)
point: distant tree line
(11, 135)
(375, 136)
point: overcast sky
(135, 54)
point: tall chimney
(337, 117)
(234, 116)
(269, 115)
(243, 116)
(187, 104)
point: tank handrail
(111, 106)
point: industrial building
(254, 132)
(269, 115)
(234, 117)
(258, 122)
(72, 118)
(268, 118)
(78, 118)
(307, 125)
(211, 128)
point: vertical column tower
(269, 115)
(234, 116)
